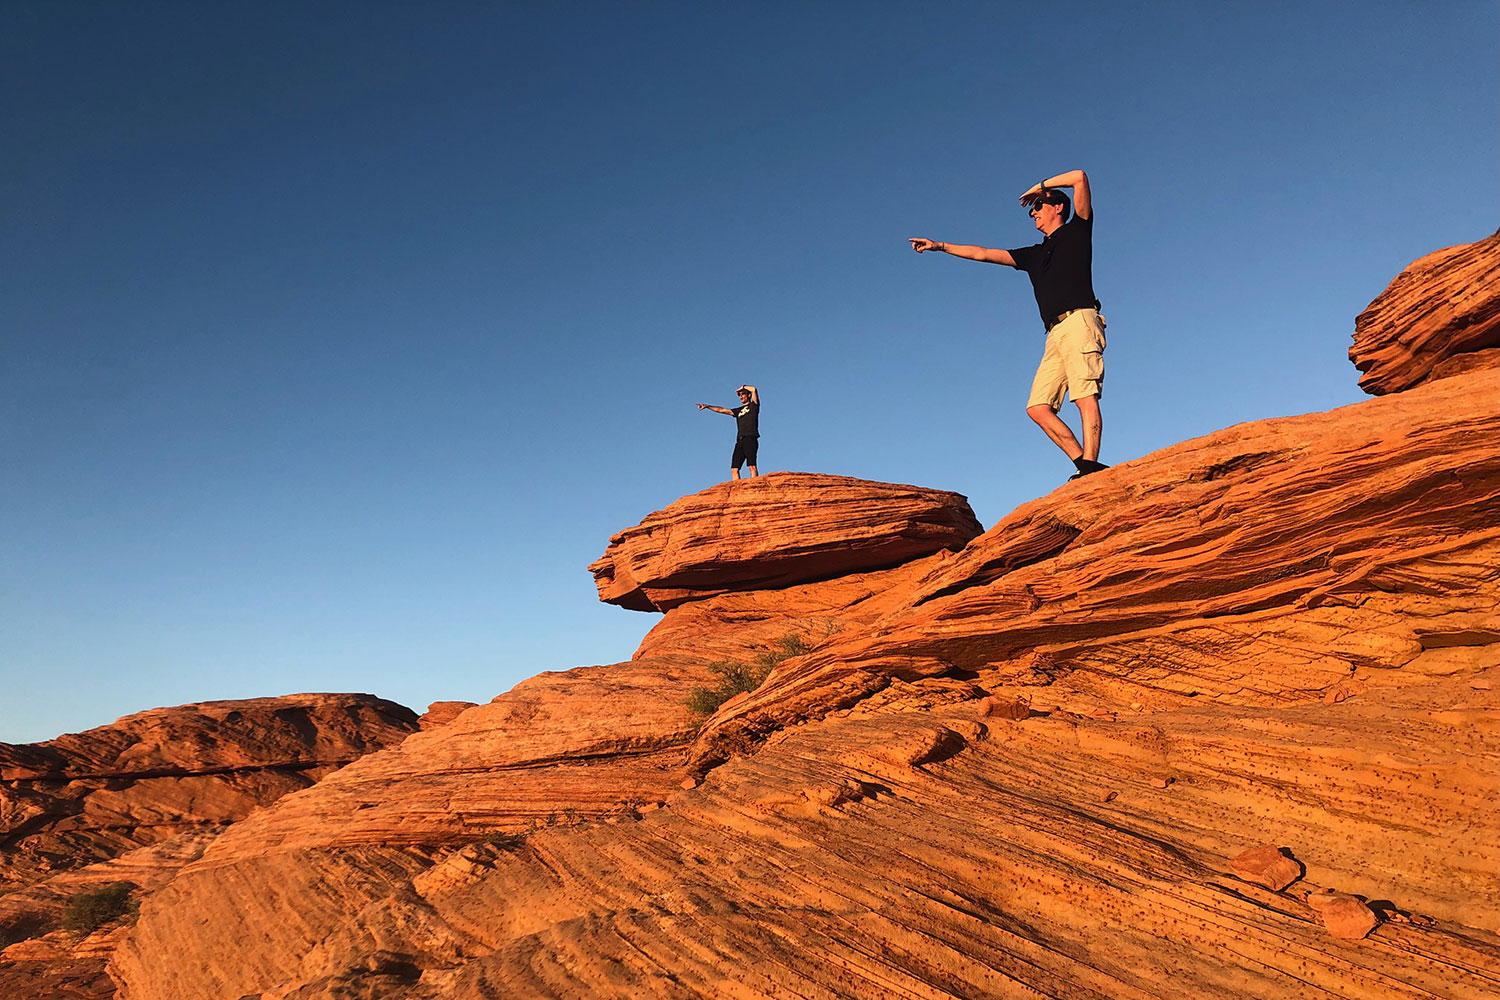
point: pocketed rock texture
(1038, 766)
(1441, 316)
(136, 800)
(775, 531)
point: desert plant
(504, 840)
(735, 677)
(89, 910)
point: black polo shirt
(747, 415)
(1061, 268)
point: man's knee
(1041, 413)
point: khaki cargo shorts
(1072, 362)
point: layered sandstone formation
(776, 531)
(1441, 316)
(136, 800)
(1219, 722)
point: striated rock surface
(1217, 723)
(136, 800)
(1269, 563)
(1441, 316)
(1174, 627)
(775, 531)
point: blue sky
(337, 339)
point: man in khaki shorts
(1061, 268)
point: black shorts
(745, 449)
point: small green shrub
(734, 677)
(87, 911)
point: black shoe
(1086, 467)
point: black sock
(1087, 465)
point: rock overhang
(776, 531)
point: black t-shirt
(1061, 268)
(747, 415)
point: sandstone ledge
(1439, 317)
(776, 531)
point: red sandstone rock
(440, 713)
(776, 531)
(1344, 915)
(136, 800)
(868, 837)
(1266, 866)
(1259, 565)
(1005, 708)
(1441, 316)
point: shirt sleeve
(1024, 257)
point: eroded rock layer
(1024, 769)
(1217, 723)
(1441, 316)
(1268, 563)
(134, 801)
(776, 531)
(922, 853)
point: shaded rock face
(1441, 316)
(1219, 722)
(776, 531)
(136, 800)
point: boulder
(1267, 866)
(1344, 915)
(1439, 317)
(776, 531)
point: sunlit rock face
(776, 531)
(138, 799)
(1440, 317)
(1218, 722)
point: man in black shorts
(1061, 268)
(747, 416)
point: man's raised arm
(1083, 204)
(987, 255)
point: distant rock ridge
(774, 531)
(136, 800)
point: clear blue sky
(335, 340)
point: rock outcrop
(1219, 722)
(1441, 316)
(1267, 564)
(134, 801)
(776, 531)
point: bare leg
(1093, 426)
(753, 472)
(1048, 420)
(734, 473)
